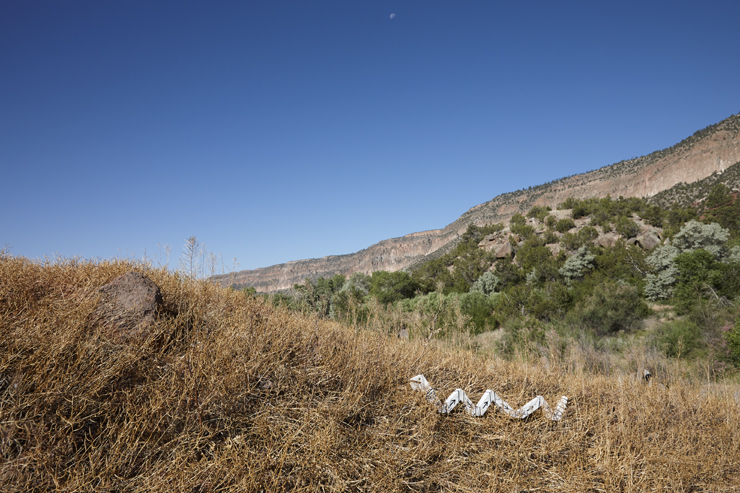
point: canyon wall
(390, 255)
(710, 150)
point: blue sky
(276, 131)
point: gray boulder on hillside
(128, 307)
(649, 239)
(607, 240)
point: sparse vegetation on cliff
(629, 178)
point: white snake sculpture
(420, 383)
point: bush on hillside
(565, 225)
(486, 283)
(733, 343)
(627, 227)
(577, 265)
(680, 338)
(389, 287)
(610, 308)
(540, 212)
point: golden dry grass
(229, 394)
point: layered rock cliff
(710, 150)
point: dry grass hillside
(229, 394)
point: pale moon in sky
(392, 16)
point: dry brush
(229, 394)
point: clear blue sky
(276, 131)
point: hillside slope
(710, 150)
(229, 394)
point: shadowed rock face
(711, 150)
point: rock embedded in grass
(128, 307)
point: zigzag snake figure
(489, 396)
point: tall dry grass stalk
(229, 394)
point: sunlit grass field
(228, 393)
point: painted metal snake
(489, 397)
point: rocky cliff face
(390, 255)
(710, 150)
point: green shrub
(486, 283)
(517, 220)
(479, 308)
(508, 272)
(653, 215)
(581, 209)
(550, 237)
(540, 212)
(679, 338)
(565, 225)
(519, 226)
(626, 227)
(695, 269)
(602, 217)
(569, 203)
(574, 241)
(532, 255)
(520, 335)
(577, 264)
(733, 343)
(389, 287)
(610, 308)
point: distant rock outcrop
(128, 307)
(649, 239)
(711, 150)
(607, 240)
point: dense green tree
(610, 308)
(532, 255)
(677, 216)
(695, 269)
(479, 308)
(565, 225)
(718, 197)
(389, 287)
(508, 272)
(726, 278)
(468, 268)
(602, 217)
(626, 227)
(568, 203)
(623, 262)
(582, 208)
